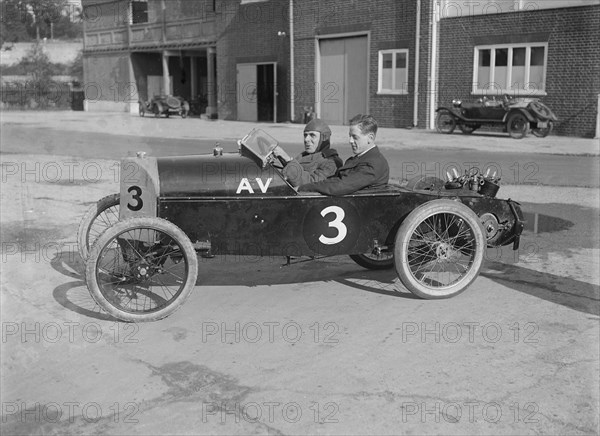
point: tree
(27, 20)
(38, 65)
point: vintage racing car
(165, 105)
(516, 116)
(141, 245)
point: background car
(165, 105)
(142, 265)
(517, 116)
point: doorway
(257, 92)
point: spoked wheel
(517, 125)
(542, 132)
(439, 249)
(98, 218)
(445, 122)
(374, 261)
(141, 269)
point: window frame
(392, 91)
(131, 12)
(527, 91)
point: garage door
(343, 78)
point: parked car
(516, 115)
(141, 244)
(165, 105)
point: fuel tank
(226, 175)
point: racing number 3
(336, 224)
(137, 197)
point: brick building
(395, 59)
(545, 49)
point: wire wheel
(439, 249)
(542, 132)
(445, 122)
(517, 125)
(141, 269)
(98, 218)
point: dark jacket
(309, 168)
(368, 170)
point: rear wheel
(439, 249)
(98, 218)
(374, 261)
(542, 132)
(517, 125)
(141, 269)
(445, 122)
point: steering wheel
(271, 158)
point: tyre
(540, 110)
(141, 269)
(439, 249)
(445, 122)
(544, 131)
(157, 109)
(185, 110)
(517, 125)
(141, 109)
(373, 261)
(98, 218)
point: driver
(317, 162)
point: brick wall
(248, 34)
(573, 69)
(391, 25)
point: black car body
(433, 232)
(165, 105)
(516, 116)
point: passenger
(318, 160)
(367, 168)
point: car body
(165, 105)
(516, 116)
(240, 203)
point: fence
(40, 96)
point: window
(517, 69)
(393, 72)
(139, 11)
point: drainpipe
(433, 64)
(598, 119)
(417, 48)
(292, 116)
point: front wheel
(445, 122)
(98, 218)
(439, 249)
(517, 125)
(374, 261)
(542, 132)
(141, 269)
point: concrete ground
(321, 347)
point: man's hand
(281, 154)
